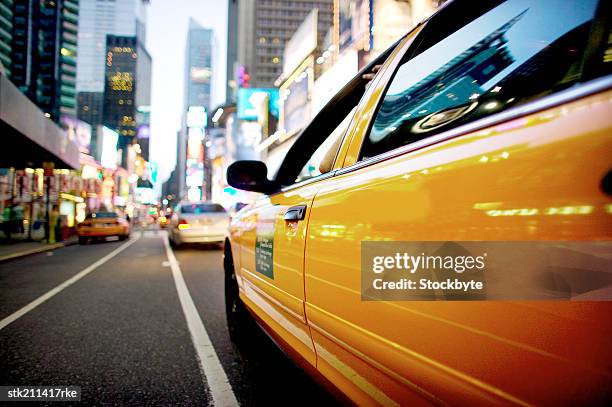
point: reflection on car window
(324, 152)
(201, 208)
(518, 51)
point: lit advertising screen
(200, 74)
(78, 131)
(247, 97)
(194, 173)
(195, 149)
(143, 131)
(109, 155)
(196, 116)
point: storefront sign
(302, 43)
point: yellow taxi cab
(163, 221)
(489, 121)
(100, 225)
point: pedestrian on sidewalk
(53, 221)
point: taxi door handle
(295, 213)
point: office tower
(6, 35)
(127, 87)
(90, 106)
(232, 50)
(44, 53)
(198, 66)
(198, 79)
(100, 18)
(264, 26)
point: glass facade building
(98, 19)
(198, 66)
(6, 34)
(45, 37)
(127, 88)
(264, 27)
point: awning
(28, 138)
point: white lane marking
(21, 312)
(214, 375)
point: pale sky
(167, 25)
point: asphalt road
(120, 332)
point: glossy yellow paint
(536, 177)
(279, 299)
(466, 352)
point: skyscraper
(100, 18)
(127, 87)
(198, 79)
(198, 66)
(6, 34)
(44, 53)
(263, 27)
(232, 48)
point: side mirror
(250, 176)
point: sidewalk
(15, 250)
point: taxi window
(513, 53)
(201, 208)
(322, 159)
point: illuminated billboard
(200, 75)
(78, 131)
(194, 173)
(196, 116)
(355, 22)
(195, 149)
(247, 102)
(109, 154)
(302, 43)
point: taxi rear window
(202, 208)
(101, 215)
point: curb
(25, 253)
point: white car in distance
(198, 222)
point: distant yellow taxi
(100, 225)
(490, 121)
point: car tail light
(183, 224)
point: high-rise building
(198, 66)
(127, 88)
(90, 107)
(100, 18)
(6, 35)
(232, 50)
(263, 27)
(190, 139)
(44, 53)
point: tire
(240, 324)
(82, 240)
(172, 242)
(121, 237)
